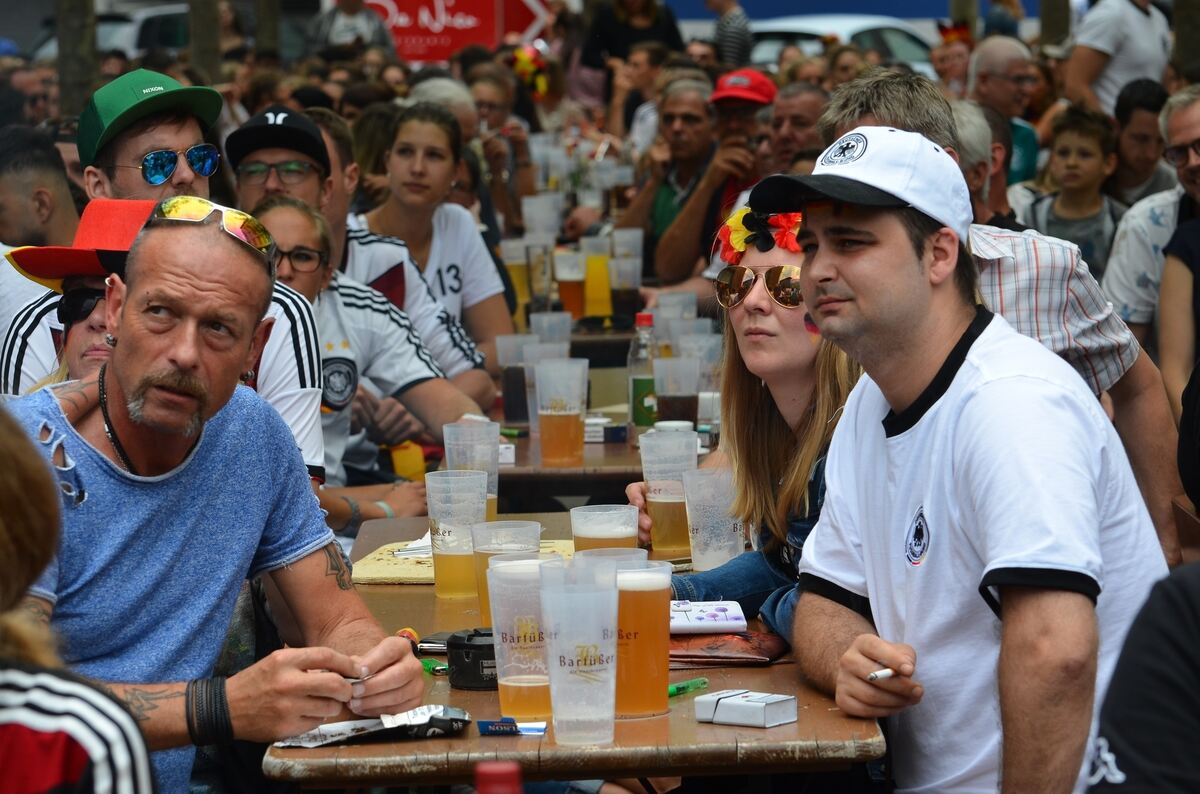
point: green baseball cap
(134, 96)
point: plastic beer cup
(457, 501)
(643, 637)
(562, 401)
(494, 538)
(513, 582)
(665, 457)
(604, 526)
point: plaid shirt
(1043, 288)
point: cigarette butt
(880, 675)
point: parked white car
(893, 38)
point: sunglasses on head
(734, 283)
(158, 166)
(77, 305)
(242, 226)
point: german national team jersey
(362, 336)
(1004, 472)
(60, 733)
(383, 263)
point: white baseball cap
(877, 167)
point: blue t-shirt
(148, 568)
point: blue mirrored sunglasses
(158, 166)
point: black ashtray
(471, 655)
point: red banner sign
(430, 30)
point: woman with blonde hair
(57, 731)
(782, 391)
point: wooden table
(670, 745)
(607, 469)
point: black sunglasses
(77, 304)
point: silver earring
(110, 340)
(248, 376)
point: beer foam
(643, 579)
(603, 529)
(516, 567)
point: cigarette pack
(742, 707)
(508, 453)
(593, 429)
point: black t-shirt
(1185, 244)
(1008, 222)
(609, 37)
(1150, 719)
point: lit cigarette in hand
(880, 675)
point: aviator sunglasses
(242, 226)
(158, 166)
(734, 283)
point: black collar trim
(1187, 209)
(896, 423)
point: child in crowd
(1083, 153)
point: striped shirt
(60, 733)
(733, 38)
(1043, 288)
(363, 337)
(288, 374)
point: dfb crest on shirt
(845, 149)
(341, 381)
(916, 542)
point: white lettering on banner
(434, 16)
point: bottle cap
(497, 777)
(644, 320)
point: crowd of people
(957, 392)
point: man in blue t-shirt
(177, 485)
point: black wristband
(207, 708)
(222, 726)
(355, 520)
(189, 707)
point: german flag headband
(764, 231)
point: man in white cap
(978, 498)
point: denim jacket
(763, 583)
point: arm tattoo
(74, 394)
(141, 702)
(337, 567)
(36, 611)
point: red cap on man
(746, 85)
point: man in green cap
(142, 137)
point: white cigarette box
(508, 454)
(742, 707)
(593, 429)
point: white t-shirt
(287, 375)
(1135, 263)
(15, 291)
(362, 336)
(384, 264)
(1005, 471)
(348, 27)
(460, 271)
(1137, 42)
